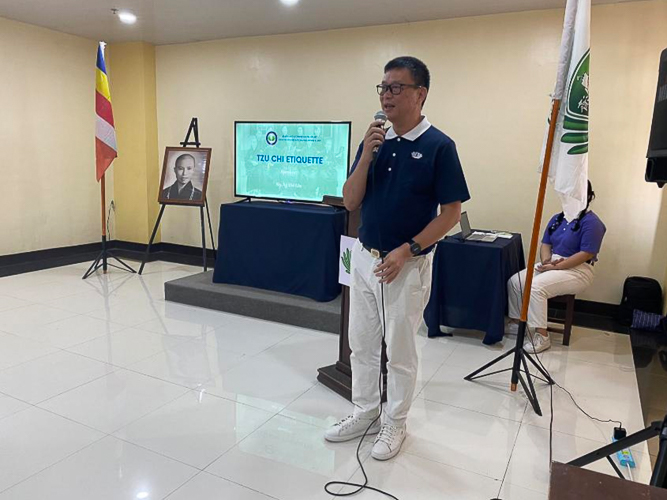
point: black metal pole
(203, 237)
(210, 229)
(148, 248)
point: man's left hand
(388, 270)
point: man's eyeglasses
(395, 88)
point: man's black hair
(420, 73)
(418, 70)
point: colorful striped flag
(105, 133)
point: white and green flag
(569, 161)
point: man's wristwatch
(415, 248)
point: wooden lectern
(338, 377)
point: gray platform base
(199, 290)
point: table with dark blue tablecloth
(289, 248)
(469, 287)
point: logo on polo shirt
(417, 155)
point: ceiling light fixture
(125, 16)
(289, 3)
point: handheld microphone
(379, 116)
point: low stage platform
(199, 290)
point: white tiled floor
(109, 392)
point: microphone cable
(365, 485)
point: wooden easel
(193, 129)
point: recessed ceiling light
(125, 16)
(290, 2)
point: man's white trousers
(404, 301)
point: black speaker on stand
(656, 166)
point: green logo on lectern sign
(347, 260)
(576, 111)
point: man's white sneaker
(388, 442)
(539, 343)
(351, 427)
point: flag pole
(539, 209)
(104, 226)
(105, 152)
(519, 363)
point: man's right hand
(373, 139)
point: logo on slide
(271, 138)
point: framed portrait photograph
(184, 176)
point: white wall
(47, 138)
(491, 77)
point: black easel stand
(520, 356)
(101, 261)
(193, 129)
(657, 428)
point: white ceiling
(180, 21)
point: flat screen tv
(299, 161)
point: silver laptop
(468, 235)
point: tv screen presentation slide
(291, 161)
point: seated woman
(568, 252)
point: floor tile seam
(457, 467)
(296, 399)
(565, 434)
(130, 369)
(238, 443)
(244, 354)
(116, 367)
(509, 459)
(273, 413)
(41, 325)
(13, 308)
(91, 339)
(117, 370)
(199, 473)
(30, 405)
(577, 394)
(165, 333)
(624, 368)
(171, 400)
(55, 463)
(39, 285)
(178, 344)
(471, 410)
(73, 388)
(155, 452)
(273, 345)
(239, 484)
(57, 349)
(425, 382)
(48, 299)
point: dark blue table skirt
(290, 248)
(469, 288)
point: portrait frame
(194, 177)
